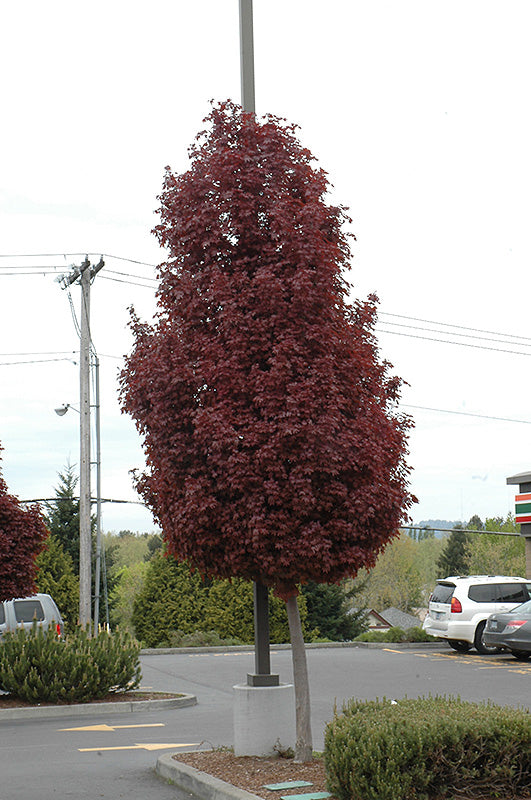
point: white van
(24, 611)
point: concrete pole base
(264, 717)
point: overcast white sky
(418, 110)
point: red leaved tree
(22, 536)
(274, 449)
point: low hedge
(427, 748)
(38, 667)
(396, 635)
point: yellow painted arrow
(137, 747)
(104, 727)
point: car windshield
(525, 608)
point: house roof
(399, 619)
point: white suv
(459, 606)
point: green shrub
(395, 635)
(172, 598)
(426, 748)
(174, 601)
(38, 667)
(229, 610)
(418, 635)
(390, 635)
(199, 639)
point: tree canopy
(274, 449)
(22, 536)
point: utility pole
(84, 275)
(85, 544)
(97, 576)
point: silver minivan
(22, 612)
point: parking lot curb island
(198, 784)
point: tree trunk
(303, 745)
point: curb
(87, 709)
(249, 648)
(198, 784)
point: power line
(458, 344)
(461, 335)
(75, 255)
(451, 325)
(38, 353)
(468, 414)
(37, 272)
(129, 283)
(451, 530)
(102, 500)
(129, 275)
(35, 361)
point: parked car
(24, 611)
(511, 631)
(459, 607)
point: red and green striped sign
(523, 509)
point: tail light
(455, 606)
(514, 625)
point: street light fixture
(61, 411)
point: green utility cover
(310, 796)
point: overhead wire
(454, 330)
(451, 325)
(458, 344)
(467, 414)
(35, 361)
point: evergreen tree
(62, 516)
(329, 616)
(154, 544)
(62, 519)
(454, 559)
(229, 611)
(171, 598)
(56, 577)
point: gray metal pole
(262, 676)
(247, 55)
(97, 580)
(84, 451)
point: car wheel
(521, 655)
(461, 647)
(479, 644)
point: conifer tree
(56, 577)
(62, 516)
(454, 559)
